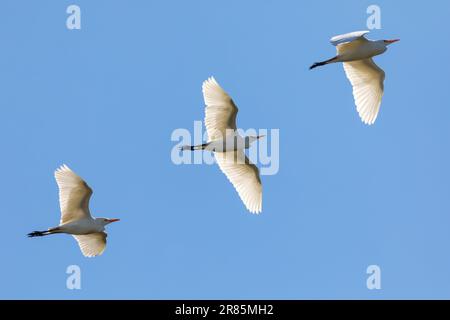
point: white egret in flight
(228, 145)
(74, 195)
(356, 52)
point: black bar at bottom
(225, 309)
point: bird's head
(105, 221)
(388, 42)
(254, 138)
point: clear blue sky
(105, 100)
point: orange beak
(392, 41)
(113, 220)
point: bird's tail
(197, 147)
(322, 63)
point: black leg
(322, 63)
(38, 234)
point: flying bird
(229, 146)
(366, 78)
(74, 195)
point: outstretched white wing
(220, 111)
(348, 37)
(367, 82)
(74, 195)
(244, 176)
(92, 244)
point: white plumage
(220, 121)
(348, 37)
(220, 110)
(366, 78)
(228, 146)
(74, 195)
(92, 244)
(244, 176)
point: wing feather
(220, 111)
(92, 244)
(367, 80)
(74, 195)
(244, 176)
(348, 37)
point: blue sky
(105, 100)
